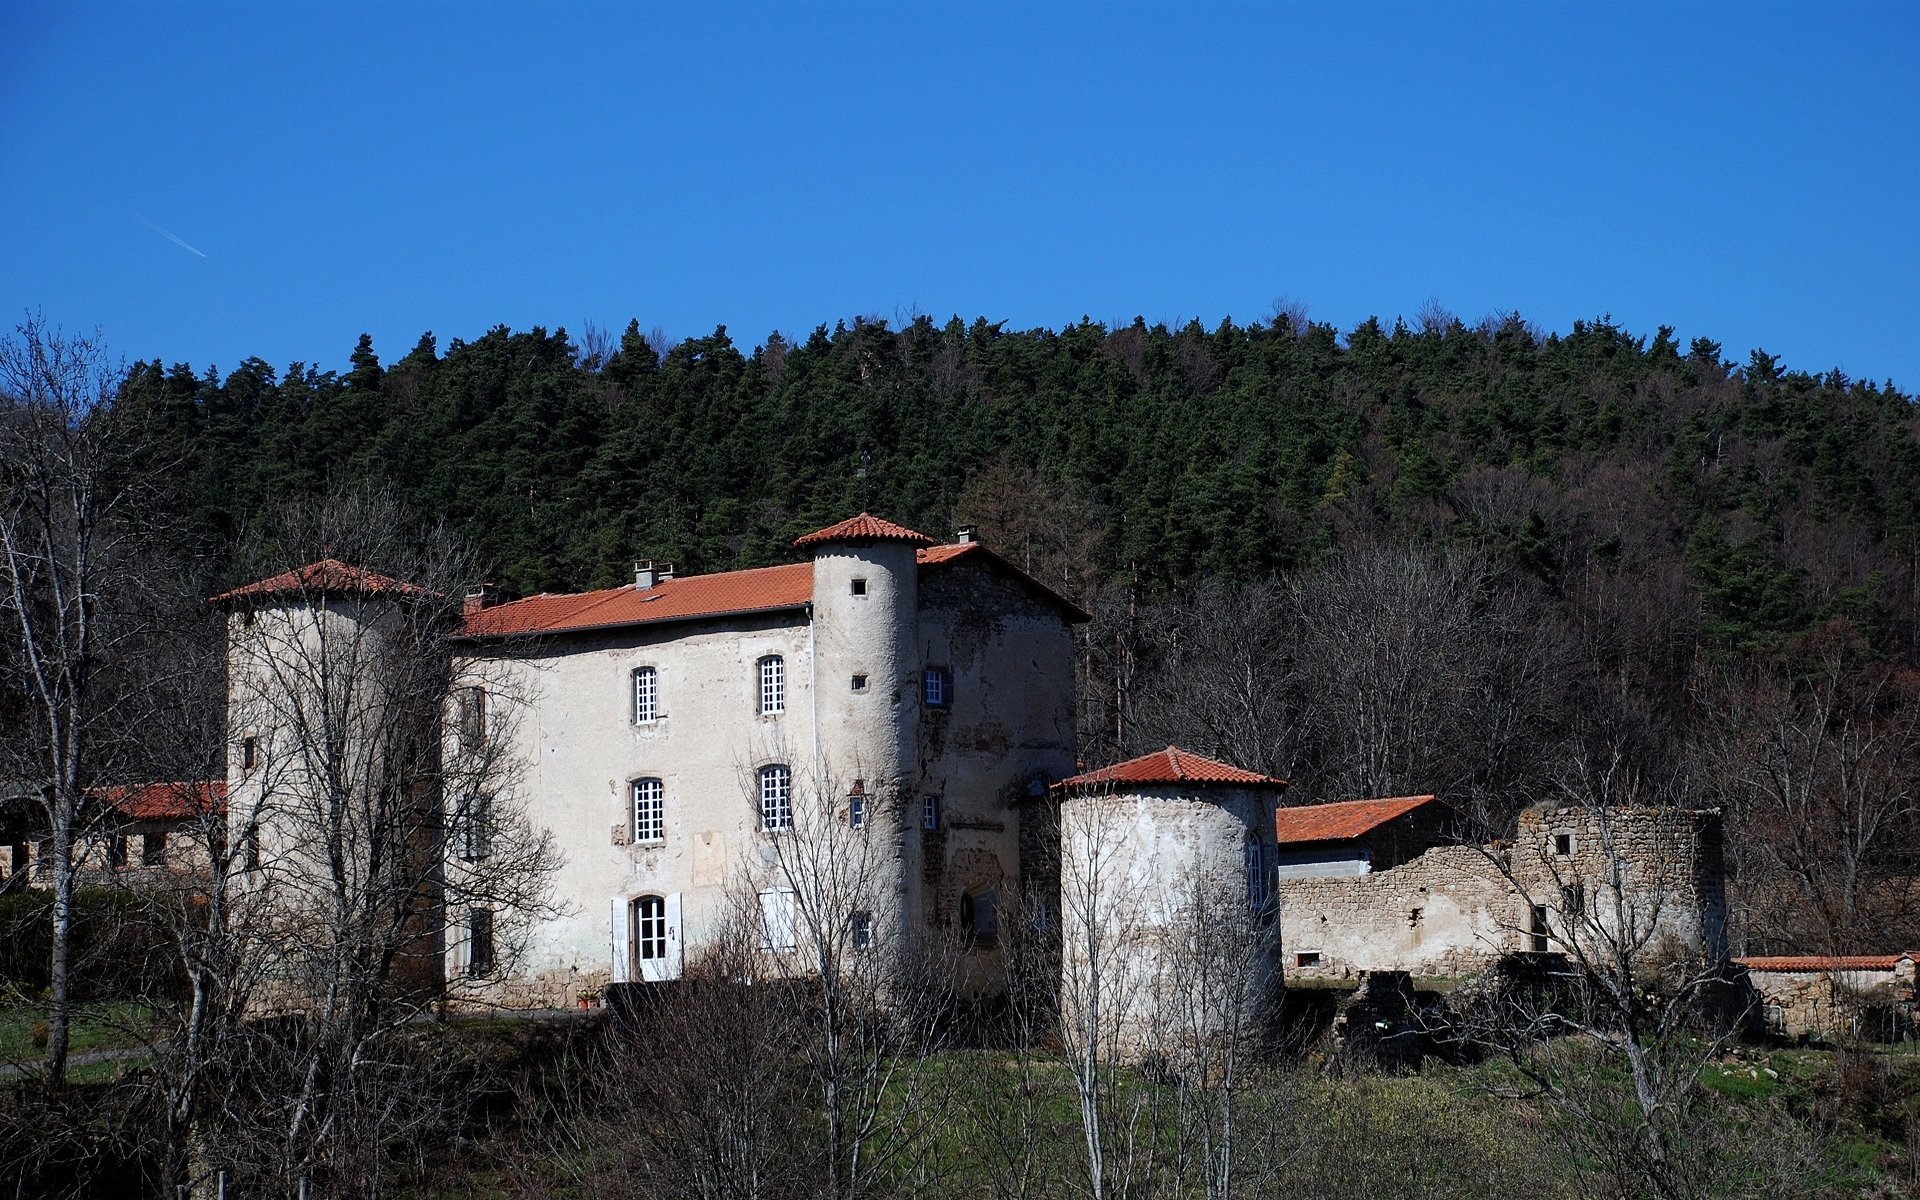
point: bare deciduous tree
(75, 605)
(376, 817)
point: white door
(656, 937)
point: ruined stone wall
(1453, 909)
(1672, 872)
(1447, 912)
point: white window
(650, 929)
(649, 812)
(776, 798)
(860, 930)
(936, 687)
(777, 933)
(476, 827)
(930, 812)
(857, 810)
(773, 684)
(646, 695)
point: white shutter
(776, 920)
(673, 936)
(622, 941)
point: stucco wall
(1009, 728)
(1138, 867)
(572, 727)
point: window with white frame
(860, 930)
(930, 812)
(476, 826)
(778, 933)
(936, 687)
(649, 812)
(646, 695)
(650, 928)
(776, 798)
(857, 809)
(773, 684)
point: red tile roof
(1340, 822)
(765, 589)
(864, 528)
(329, 576)
(1825, 962)
(1170, 766)
(167, 801)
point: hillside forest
(1488, 561)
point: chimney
(968, 535)
(479, 596)
(645, 575)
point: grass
(99, 1025)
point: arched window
(649, 812)
(773, 684)
(776, 798)
(980, 916)
(650, 928)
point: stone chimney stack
(967, 535)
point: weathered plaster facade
(1165, 877)
(942, 778)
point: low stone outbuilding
(1827, 995)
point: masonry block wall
(1454, 909)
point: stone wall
(1449, 911)
(1454, 909)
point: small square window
(1307, 958)
(1563, 845)
(930, 813)
(859, 683)
(153, 850)
(859, 587)
(937, 688)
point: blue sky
(1745, 172)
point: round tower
(866, 662)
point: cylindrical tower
(866, 669)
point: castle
(891, 698)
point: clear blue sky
(1745, 172)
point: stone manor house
(669, 734)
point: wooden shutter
(622, 941)
(674, 952)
